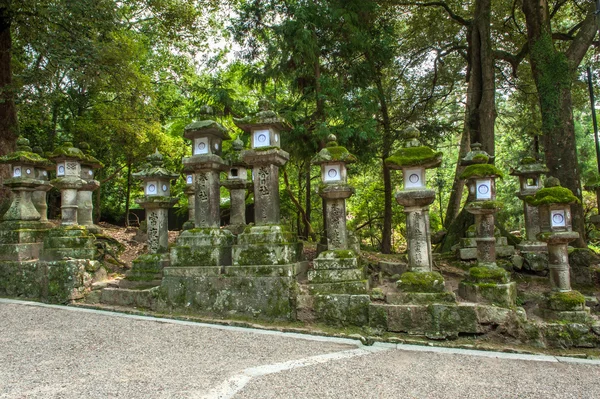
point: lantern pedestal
(487, 282)
(265, 165)
(146, 270)
(189, 192)
(21, 207)
(237, 204)
(38, 198)
(68, 187)
(85, 206)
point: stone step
(334, 275)
(266, 254)
(345, 287)
(192, 271)
(404, 298)
(328, 264)
(20, 252)
(129, 297)
(261, 270)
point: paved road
(57, 352)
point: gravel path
(57, 352)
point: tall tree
(554, 72)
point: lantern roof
(67, 151)
(264, 118)
(205, 126)
(89, 159)
(154, 168)
(476, 156)
(24, 154)
(234, 156)
(413, 153)
(529, 166)
(333, 152)
(552, 193)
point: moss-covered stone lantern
(336, 272)
(85, 204)
(530, 172)
(486, 282)
(237, 183)
(265, 157)
(25, 179)
(68, 180)
(156, 201)
(413, 160)
(207, 137)
(206, 244)
(554, 203)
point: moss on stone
(552, 195)
(481, 158)
(481, 170)
(421, 282)
(414, 156)
(566, 301)
(483, 275)
(333, 154)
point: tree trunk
(128, 194)
(480, 113)
(307, 203)
(553, 73)
(8, 113)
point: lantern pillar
(237, 183)
(486, 282)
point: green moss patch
(421, 282)
(552, 195)
(333, 154)
(414, 156)
(481, 170)
(486, 275)
(566, 301)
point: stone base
(266, 245)
(498, 294)
(439, 321)
(264, 291)
(502, 251)
(21, 240)
(532, 246)
(572, 316)
(571, 335)
(342, 309)
(66, 243)
(146, 271)
(55, 282)
(145, 299)
(203, 247)
(337, 272)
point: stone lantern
(533, 251)
(554, 204)
(207, 137)
(68, 180)
(206, 244)
(85, 208)
(39, 195)
(336, 270)
(156, 201)
(188, 174)
(486, 282)
(237, 183)
(25, 167)
(530, 172)
(414, 159)
(265, 156)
